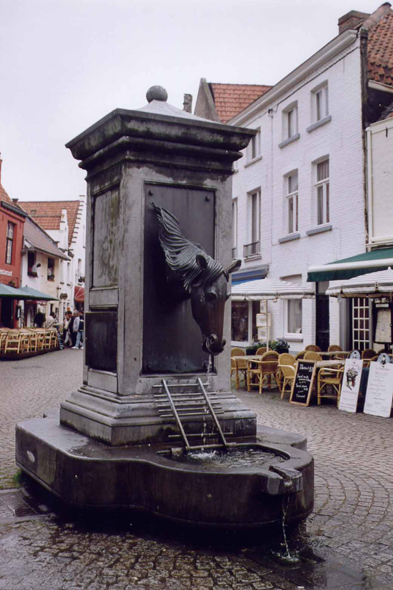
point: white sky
(67, 63)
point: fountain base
(87, 473)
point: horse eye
(227, 296)
(211, 296)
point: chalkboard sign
(303, 383)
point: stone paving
(351, 528)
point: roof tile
(48, 214)
(230, 99)
(380, 49)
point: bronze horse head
(201, 277)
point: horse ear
(201, 261)
(235, 265)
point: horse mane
(180, 253)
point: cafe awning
(354, 266)
(79, 294)
(374, 284)
(269, 289)
(26, 293)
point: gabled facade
(12, 221)
(42, 266)
(299, 192)
(65, 222)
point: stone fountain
(156, 371)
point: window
(361, 323)
(9, 243)
(234, 228)
(294, 316)
(51, 269)
(290, 121)
(320, 105)
(240, 321)
(254, 147)
(322, 192)
(292, 205)
(254, 216)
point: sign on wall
(379, 392)
(7, 273)
(350, 385)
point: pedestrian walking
(66, 329)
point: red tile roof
(380, 45)
(48, 214)
(230, 99)
(4, 196)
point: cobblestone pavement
(28, 388)
(351, 528)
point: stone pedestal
(136, 334)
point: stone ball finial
(156, 93)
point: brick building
(300, 190)
(12, 221)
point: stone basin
(87, 473)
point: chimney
(351, 20)
(187, 103)
(15, 201)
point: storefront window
(240, 321)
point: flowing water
(241, 457)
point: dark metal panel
(172, 341)
(101, 340)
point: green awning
(24, 293)
(347, 268)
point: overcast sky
(67, 63)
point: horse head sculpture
(200, 277)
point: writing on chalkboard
(303, 383)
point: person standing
(80, 333)
(74, 327)
(66, 329)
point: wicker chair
(334, 348)
(329, 383)
(300, 355)
(261, 350)
(367, 355)
(313, 348)
(3, 338)
(312, 356)
(286, 371)
(240, 366)
(266, 368)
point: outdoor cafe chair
(329, 383)
(286, 371)
(338, 349)
(264, 369)
(311, 355)
(12, 343)
(3, 338)
(240, 365)
(261, 350)
(313, 348)
(24, 341)
(367, 356)
(300, 355)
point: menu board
(350, 385)
(379, 392)
(303, 383)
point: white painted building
(299, 192)
(65, 222)
(42, 262)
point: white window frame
(320, 102)
(254, 221)
(254, 147)
(322, 194)
(291, 201)
(290, 121)
(235, 214)
(298, 336)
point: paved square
(351, 527)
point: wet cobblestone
(351, 527)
